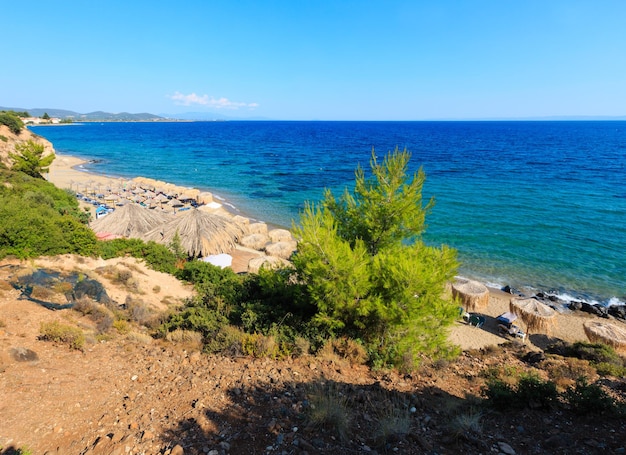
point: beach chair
(476, 321)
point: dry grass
(329, 409)
(61, 333)
(393, 420)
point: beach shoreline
(66, 172)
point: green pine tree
(28, 158)
(368, 270)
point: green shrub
(610, 369)
(36, 219)
(531, 390)
(12, 121)
(500, 394)
(61, 333)
(195, 318)
(157, 256)
(586, 398)
(229, 340)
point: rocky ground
(128, 394)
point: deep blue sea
(538, 205)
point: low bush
(62, 333)
(229, 340)
(585, 398)
(530, 390)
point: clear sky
(326, 60)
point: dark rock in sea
(618, 311)
(511, 290)
(595, 309)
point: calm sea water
(538, 205)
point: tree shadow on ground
(328, 417)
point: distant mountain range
(89, 117)
(100, 116)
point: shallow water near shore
(535, 205)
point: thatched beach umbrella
(175, 203)
(604, 332)
(537, 316)
(201, 233)
(472, 294)
(131, 220)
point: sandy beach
(65, 173)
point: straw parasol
(607, 333)
(537, 316)
(201, 233)
(131, 220)
(473, 295)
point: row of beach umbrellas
(536, 315)
(201, 233)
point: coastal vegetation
(12, 120)
(367, 270)
(37, 218)
(29, 158)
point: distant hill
(88, 117)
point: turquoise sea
(533, 205)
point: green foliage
(196, 318)
(500, 394)
(12, 121)
(603, 357)
(176, 247)
(530, 390)
(36, 218)
(367, 270)
(157, 256)
(586, 398)
(213, 283)
(28, 158)
(62, 333)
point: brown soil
(134, 395)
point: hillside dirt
(131, 394)
(8, 141)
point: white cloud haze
(206, 100)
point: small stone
(134, 426)
(225, 445)
(147, 435)
(134, 377)
(177, 450)
(505, 448)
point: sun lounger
(476, 321)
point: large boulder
(255, 241)
(280, 235)
(272, 262)
(281, 249)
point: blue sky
(326, 60)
